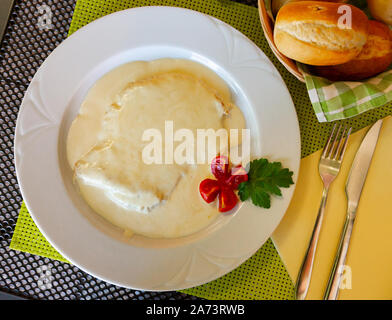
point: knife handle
(335, 277)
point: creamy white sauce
(105, 145)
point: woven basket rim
(267, 25)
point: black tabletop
(22, 51)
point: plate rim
(17, 135)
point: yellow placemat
(369, 260)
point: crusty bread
(309, 32)
(277, 4)
(375, 57)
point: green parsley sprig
(264, 179)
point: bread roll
(381, 10)
(311, 32)
(277, 4)
(375, 57)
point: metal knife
(354, 185)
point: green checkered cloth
(345, 99)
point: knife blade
(359, 169)
(354, 186)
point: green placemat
(263, 276)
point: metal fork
(329, 167)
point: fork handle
(305, 272)
(332, 291)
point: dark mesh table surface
(23, 50)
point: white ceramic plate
(53, 100)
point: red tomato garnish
(238, 175)
(220, 167)
(227, 200)
(209, 190)
(225, 184)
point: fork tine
(329, 142)
(339, 146)
(345, 144)
(334, 142)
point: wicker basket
(268, 27)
